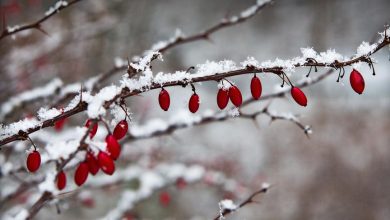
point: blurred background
(341, 172)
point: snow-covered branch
(65, 92)
(227, 207)
(96, 105)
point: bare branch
(59, 6)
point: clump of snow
(119, 62)
(308, 52)
(119, 114)
(14, 128)
(224, 85)
(265, 185)
(212, 67)
(177, 76)
(226, 204)
(95, 107)
(234, 112)
(250, 61)
(56, 7)
(144, 62)
(162, 44)
(11, 29)
(365, 48)
(48, 185)
(45, 114)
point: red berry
(121, 129)
(165, 198)
(58, 125)
(193, 104)
(299, 96)
(93, 165)
(88, 202)
(106, 163)
(81, 174)
(256, 87)
(235, 96)
(61, 180)
(222, 98)
(93, 130)
(357, 81)
(113, 147)
(33, 161)
(164, 99)
(181, 183)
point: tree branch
(127, 92)
(59, 6)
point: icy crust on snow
(56, 7)
(18, 100)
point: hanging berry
(93, 165)
(181, 183)
(81, 174)
(93, 130)
(299, 96)
(193, 104)
(164, 99)
(61, 180)
(33, 161)
(120, 129)
(357, 81)
(113, 147)
(58, 125)
(256, 87)
(222, 98)
(235, 96)
(106, 163)
(165, 198)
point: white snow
(226, 204)
(56, 7)
(365, 48)
(42, 91)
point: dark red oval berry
(58, 125)
(165, 198)
(93, 130)
(235, 96)
(113, 147)
(121, 129)
(164, 99)
(61, 180)
(33, 161)
(299, 96)
(181, 183)
(357, 81)
(93, 165)
(106, 163)
(193, 104)
(256, 87)
(222, 98)
(81, 174)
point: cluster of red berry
(104, 159)
(235, 96)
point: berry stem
(106, 125)
(35, 147)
